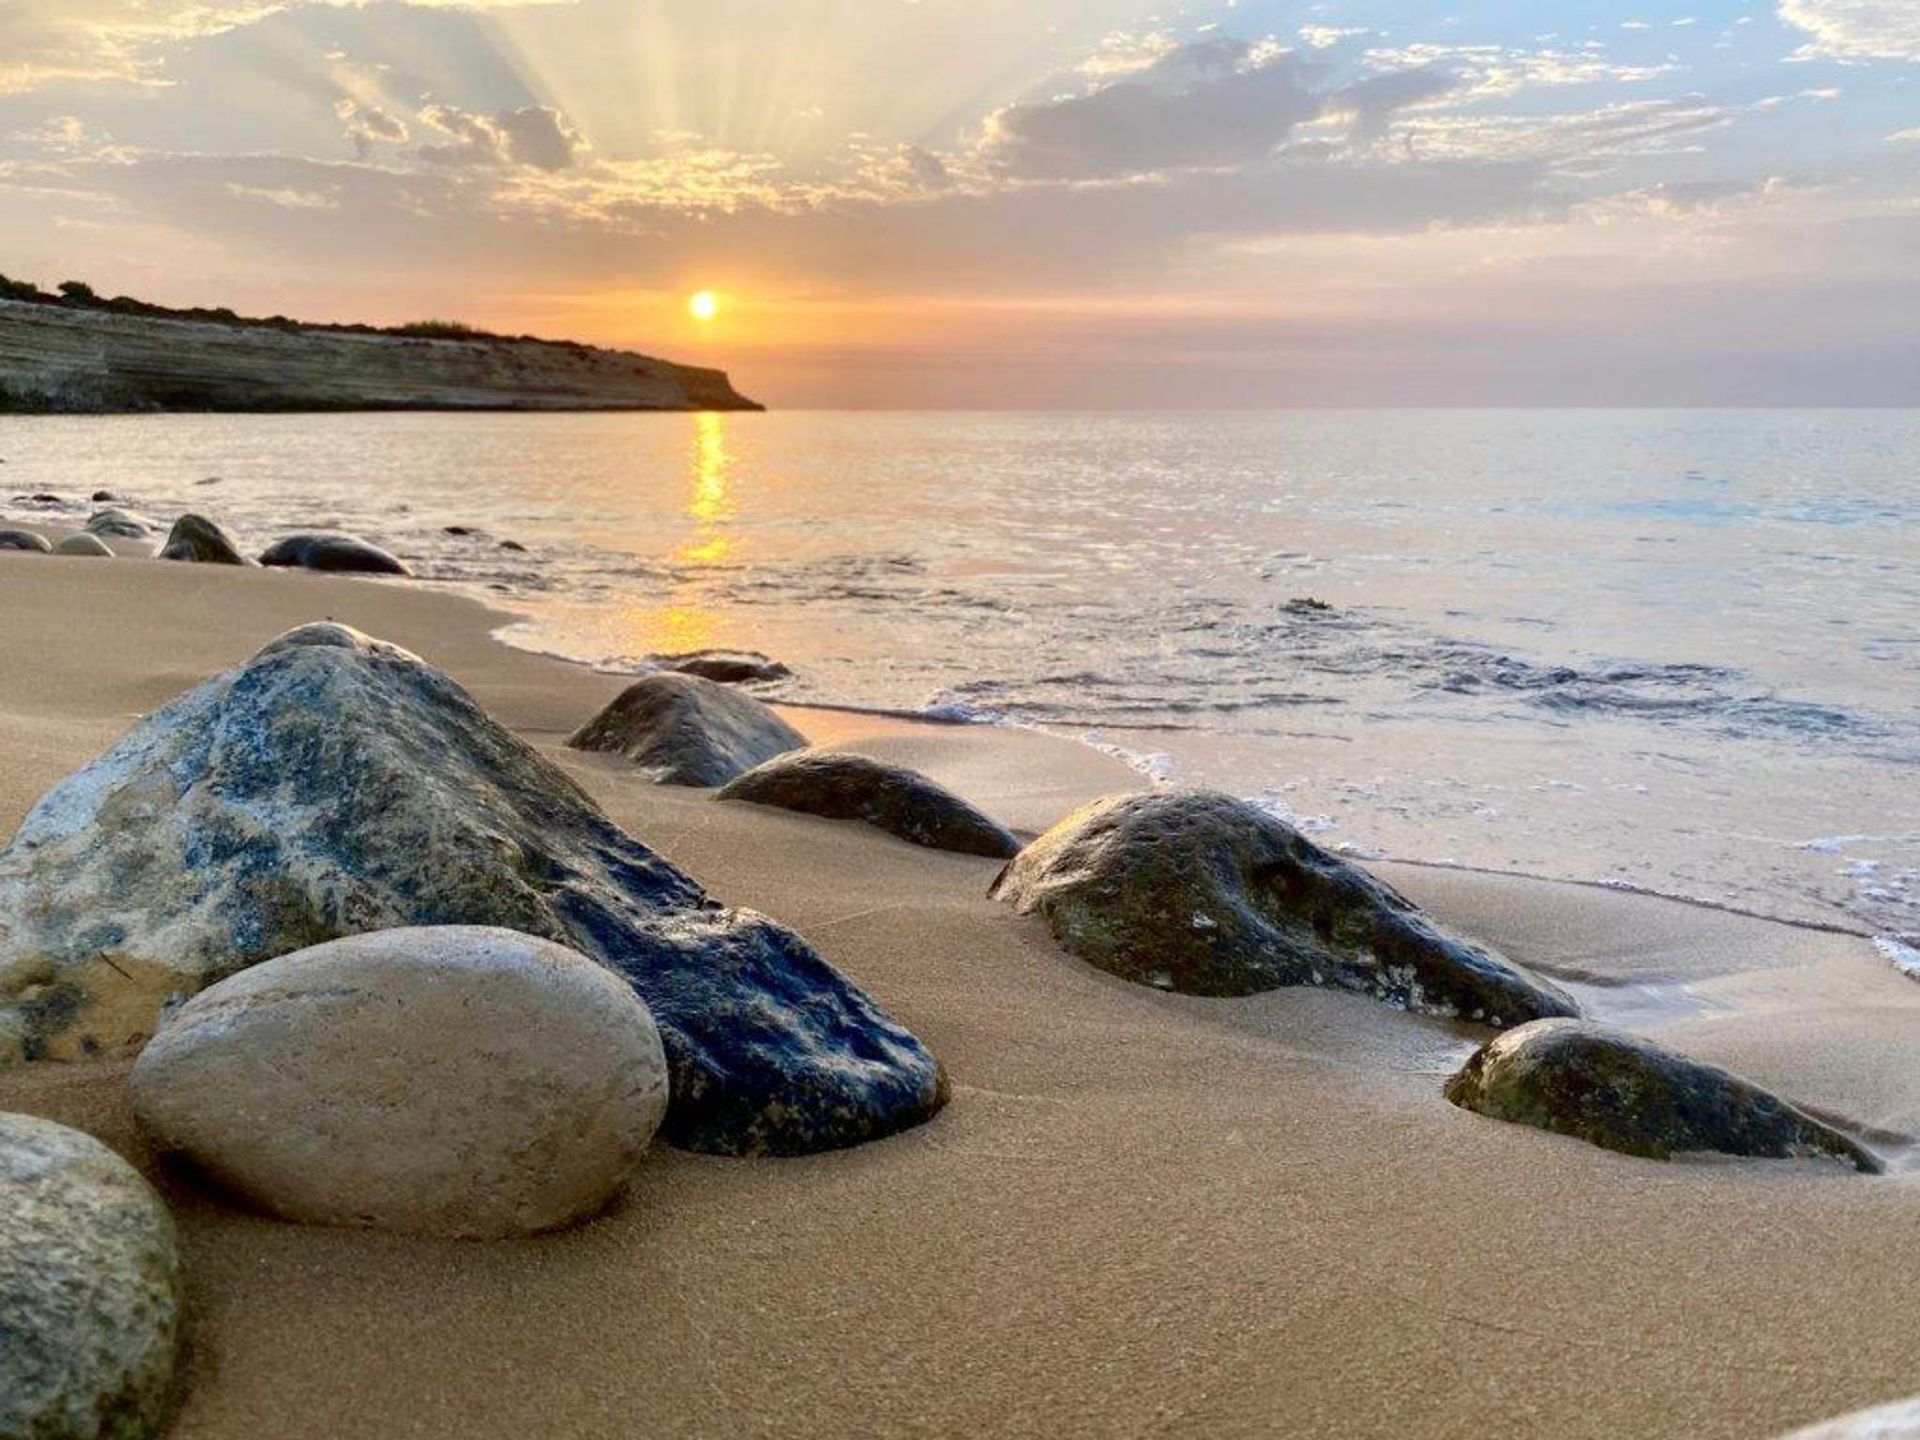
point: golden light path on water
(683, 623)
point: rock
(123, 523)
(83, 544)
(449, 1081)
(343, 553)
(105, 497)
(461, 530)
(851, 787)
(726, 667)
(200, 540)
(1208, 895)
(335, 785)
(40, 500)
(24, 540)
(682, 730)
(90, 1291)
(513, 545)
(1899, 1420)
(1625, 1093)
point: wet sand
(1141, 1214)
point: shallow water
(1676, 650)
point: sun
(703, 305)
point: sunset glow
(703, 305)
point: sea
(1674, 651)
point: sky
(1017, 203)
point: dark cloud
(533, 135)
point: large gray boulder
(851, 787)
(341, 554)
(683, 730)
(90, 1290)
(1623, 1092)
(25, 540)
(335, 785)
(1207, 895)
(201, 541)
(446, 1081)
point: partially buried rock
(727, 667)
(335, 785)
(104, 497)
(84, 544)
(122, 523)
(90, 1290)
(851, 787)
(448, 1081)
(682, 730)
(344, 554)
(1625, 1093)
(202, 541)
(1207, 895)
(24, 540)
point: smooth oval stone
(25, 540)
(1205, 894)
(454, 1080)
(890, 797)
(1899, 1420)
(123, 523)
(1623, 1092)
(683, 730)
(83, 544)
(90, 1289)
(343, 554)
(201, 541)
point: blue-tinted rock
(684, 730)
(25, 540)
(1207, 895)
(342, 554)
(335, 785)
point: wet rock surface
(1625, 1093)
(335, 785)
(90, 1290)
(852, 787)
(683, 730)
(446, 1081)
(25, 540)
(1205, 894)
(725, 667)
(336, 554)
(124, 524)
(201, 541)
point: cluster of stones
(196, 539)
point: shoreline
(1141, 1213)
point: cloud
(1857, 29)
(533, 136)
(1209, 104)
(367, 123)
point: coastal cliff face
(60, 360)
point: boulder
(451, 1081)
(25, 540)
(726, 667)
(1208, 895)
(200, 540)
(105, 497)
(851, 787)
(90, 1290)
(39, 500)
(335, 785)
(682, 730)
(1899, 1420)
(1625, 1093)
(124, 523)
(346, 554)
(83, 544)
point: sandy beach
(1141, 1214)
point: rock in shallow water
(682, 730)
(335, 785)
(340, 554)
(25, 540)
(201, 541)
(1625, 1093)
(89, 1289)
(450, 1081)
(725, 667)
(1208, 895)
(124, 523)
(851, 787)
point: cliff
(61, 358)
